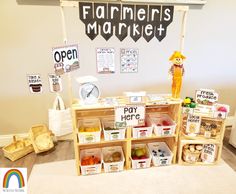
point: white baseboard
(7, 139)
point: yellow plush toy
(177, 71)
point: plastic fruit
(187, 100)
(143, 157)
(222, 109)
(90, 160)
(193, 105)
(139, 152)
(135, 158)
(89, 129)
(165, 123)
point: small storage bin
(161, 153)
(90, 160)
(143, 131)
(113, 159)
(163, 125)
(110, 131)
(137, 160)
(89, 130)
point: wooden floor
(64, 150)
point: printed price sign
(55, 83)
(132, 115)
(209, 153)
(35, 83)
(206, 97)
(65, 59)
(193, 124)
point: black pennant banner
(147, 21)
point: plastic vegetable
(177, 71)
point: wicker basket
(41, 138)
(191, 157)
(18, 149)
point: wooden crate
(196, 157)
(206, 131)
(18, 149)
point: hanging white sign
(55, 83)
(35, 83)
(130, 115)
(66, 59)
(105, 60)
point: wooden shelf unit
(172, 108)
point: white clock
(89, 93)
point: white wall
(30, 28)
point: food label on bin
(115, 136)
(206, 97)
(132, 115)
(142, 133)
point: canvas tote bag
(60, 120)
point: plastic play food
(189, 102)
(110, 128)
(222, 109)
(114, 157)
(139, 153)
(89, 129)
(90, 160)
